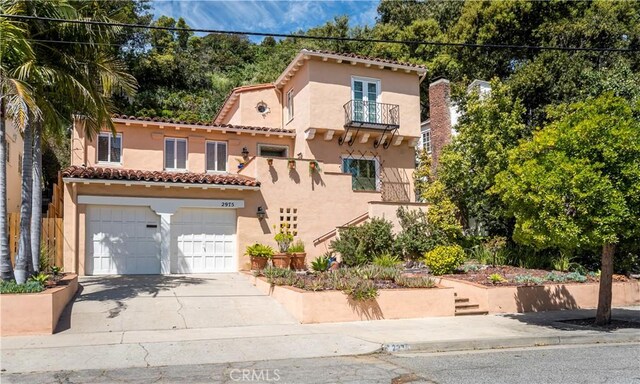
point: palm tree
(15, 101)
(68, 80)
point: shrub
(297, 247)
(40, 278)
(320, 264)
(273, 272)
(470, 268)
(386, 260)
(444, 259)
(359, 245)
(259, 250)
(416, 236)
(374, 272)
(576, 276)
(556, 277)
(496, 278)
(28, 287)
(562, 263)
(415, 282)
(360, 290)
(528, 280)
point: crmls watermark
(255, 375)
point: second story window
(426, 140)
(109, 148)
(216, 156)
(175, 154)
(290, 105)
(365, 93)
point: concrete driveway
(152, 302)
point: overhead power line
(325, 38)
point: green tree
(66, 80)
(576, 185)
(490, 126)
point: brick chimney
(440, 116)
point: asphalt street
(618, 363)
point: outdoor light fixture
(261, 213)
(245, 152)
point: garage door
(122, 240)
(203, 240)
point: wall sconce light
(245, 152)
(261, 213)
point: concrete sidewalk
(145, 348)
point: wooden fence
(52, 237)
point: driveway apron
(155, 302)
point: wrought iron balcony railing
(368, 114)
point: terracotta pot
(312, 165)
(298, 261)
(292, 165)
(281, 260)
(270, 162)
(258, 263)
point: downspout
(281, 106)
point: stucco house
(331, 142)
(15, 148)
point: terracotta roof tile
(357, 56)
(204, 124)
(102, 173)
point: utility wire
(325, 38)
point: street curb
(511, 342)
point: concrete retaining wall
(539, 298)
(335, 306)
(36, 313)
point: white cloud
(275, 16)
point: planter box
(334, 306)
(36, 313)
(538, 298)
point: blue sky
(265, 15)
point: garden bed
(325, 306)
(36, 313)
(548, 296)
(515, 276)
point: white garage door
(203, 240)
(122, 240)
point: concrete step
(462, 300)
(470, 313)
(467, 306)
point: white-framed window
(290, 105)
(216, 156)
(110, 148)
(175, 154)
(365, 172)
(365, 96)
(270, 150)
(426, 140)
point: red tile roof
(203, 124)
(361, 57)
(101, 173)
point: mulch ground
(509, 273)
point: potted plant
(298, 255)
(284, 238)
(313, 166)
(270, 162)
(259, 255)
(292, 164)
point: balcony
(371, 115)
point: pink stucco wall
(334, 306)
(35, 313)
(546, 297)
